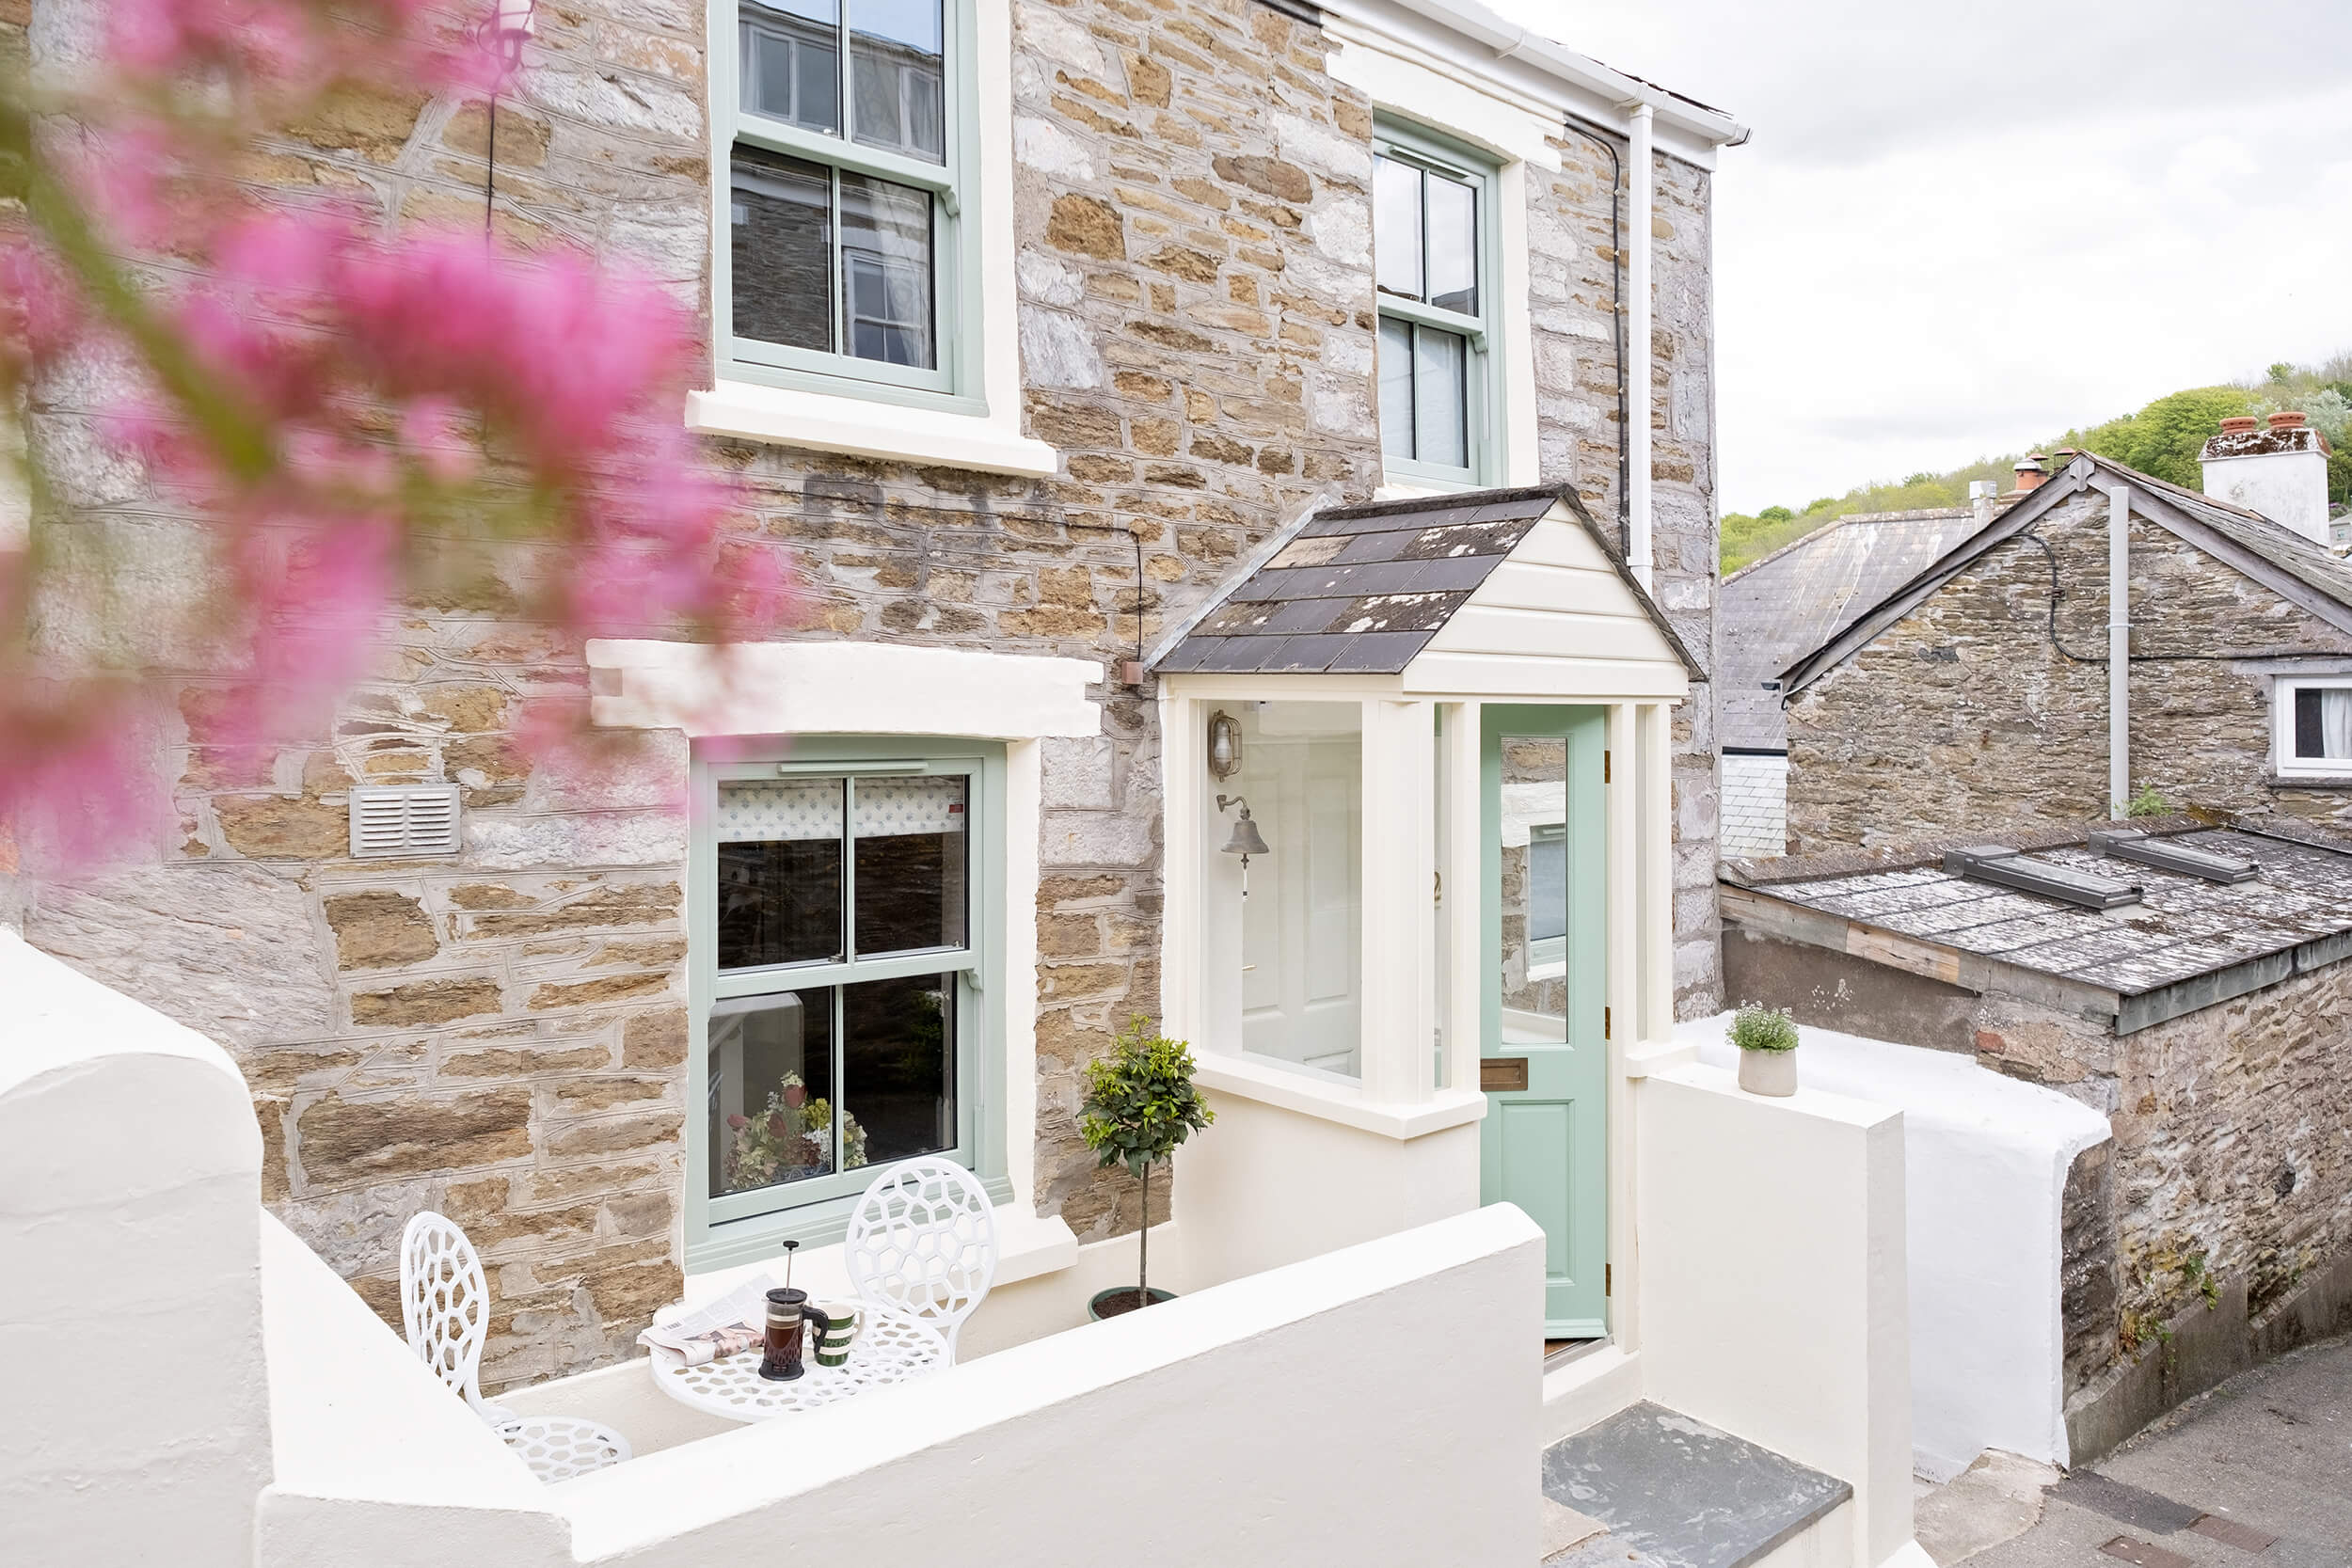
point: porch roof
(1365, 590)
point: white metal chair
(923, 1239)
(445, 1306)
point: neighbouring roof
(1362, 590)
(2188, 943)
(2299, 571)
(1781, 605)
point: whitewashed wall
(1773, 1293)
(1985, 1164)
(133, 1407)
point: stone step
(1675, 1492)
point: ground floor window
(843, 945)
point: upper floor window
(1433, 219)
(2314, 727)
(848, 197)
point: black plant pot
(1123, 1296)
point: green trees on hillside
(2163, 439)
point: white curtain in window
(2335, 721)
(761, 811)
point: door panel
(1542, 974)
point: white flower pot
(1772, 1073)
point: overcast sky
(1959, 229)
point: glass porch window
(843, 945)
(1284, 965)
(1534, 888)
(1428, 247)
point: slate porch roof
(1361, 589)
(2183, 928)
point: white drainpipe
(1640, 175)
(2119, 649)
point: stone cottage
(1029, 323)
(2189, 984)
(1979, 692)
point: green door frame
(1544, 1146)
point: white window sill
(1027, 1246)
(862, 429)
(1315, 1096)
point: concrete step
(1675, 1492)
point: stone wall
(502, 1036)
(2229, 1163)
(1967, 714)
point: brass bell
(1246, 840)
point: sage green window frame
(954, 384)
(741, 1228)
(1481, 377)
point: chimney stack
(2032, 472)
(2280, 471)
(1980, 500)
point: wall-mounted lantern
(1224, 748)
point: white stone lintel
(839, 687)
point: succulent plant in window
(1140, 1105)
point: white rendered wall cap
(836, 688)
(862, 428)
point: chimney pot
(2286, 419)
(2030, 473)
(2239, 424)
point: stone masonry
(503, 1036)
(1967, 714)
(2230, 1164)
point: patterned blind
(765, 810)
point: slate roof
(1781, 605)
(2183, 928)
(2303, 572)
(1361, 589)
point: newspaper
(734, 1322)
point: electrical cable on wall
(1135, 538)
(2058, 592)
(504, 33)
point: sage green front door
(1543, 1059)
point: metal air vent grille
(404, 821)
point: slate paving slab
(1675, 1492)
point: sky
(1959, 229)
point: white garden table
(891, 1347)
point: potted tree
(1766, 1038)
(1140, 1105)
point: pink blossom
(795, 1096)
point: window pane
(771, 1090)
(1396, 226)
(1284, 967)
(1453, 245)
(912, 863)
(1397, 387)
(779, 881)
(896, 76)
(2323, 722)
(1534, 889)
(1440, 398)
(886, 270)
(897, 1068)
(792, 62)
(783, 249)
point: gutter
(1511, 41)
